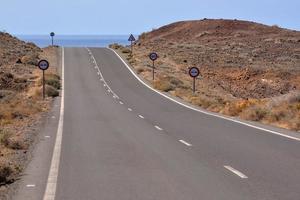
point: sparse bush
(163, 85)
(4, 137)
(254, 113)
(15, 144)
(30, 59)
(51, 91)
(139, 70)
(115, 46)
(176, 82)
(53, 80)
(8, 141)
(125, 50)
(5, 172)
(202, 102)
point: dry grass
(53, 80)
(283, 111)
(163, 85)
(5, 172)
(21, 104)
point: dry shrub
(163, 85)
(236, 107)
(183, 94)
(295, 124)
(203, 102)
(176, 82)
(53, 80)
(254, 113)
(51, 91)
(18, 109)
(16, 143)
(5, 172)
(126, 50)
(140, 70)
(30, 59)
(115, 46)
(4, 137)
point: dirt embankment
(21, 103)
(247, 69)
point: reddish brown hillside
(247, 69)
(235, 55)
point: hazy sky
(135, 16)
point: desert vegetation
(21, 102)
(248, 70)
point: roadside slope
(247, 69)
(21, 105)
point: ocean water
(76, 40)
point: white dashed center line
(158, 128)
(121, 102)
(130, 109)
(236, 172)
(186, 143)
(30, 185)
(141, 116)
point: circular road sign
(43, 64)
(194, 72)
(52, 34)
(153, 56)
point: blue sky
(136, 16)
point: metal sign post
(131, 39)
(43, 65)
(153, 56)
(194, 72)
(52, 34)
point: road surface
(123, 141)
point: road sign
(153, 56)
(52, 34)
(194, 72)
(131, 38)
(43, 64)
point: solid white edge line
(236, 172)
(157, 127)
(100, 73)
(186, 143)
(54, 167)
(201, 111)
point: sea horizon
(75, 40)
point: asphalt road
(123, 141)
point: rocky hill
(241, 63)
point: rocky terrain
(248, 70)
(21, 103)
